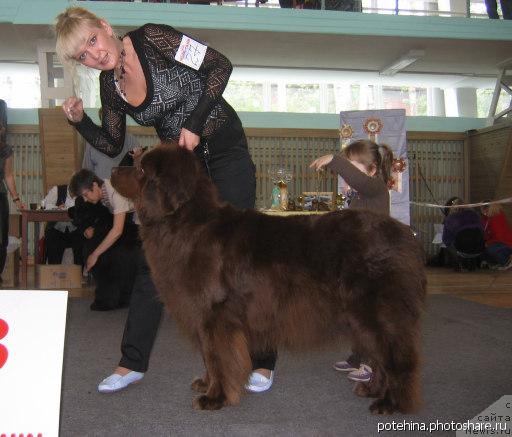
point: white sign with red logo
(32, 327)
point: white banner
(384, 126)
(32, 327)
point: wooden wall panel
(490, 161)
(60, 148)
(437, 163)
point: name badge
(191, 52)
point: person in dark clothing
(105, 218)
(60, 235)
(7, 176)
(161, 78)
(366, 167)
(492, 9)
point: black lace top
(177, 95)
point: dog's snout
(124, 181)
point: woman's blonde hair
(68, 29)
(492, 209)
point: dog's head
(162, 181)
(85, 214)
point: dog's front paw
(199, 385)
(206, 403)
(383, 406)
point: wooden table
(36, 216)
(290, 213)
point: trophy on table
(280, 177)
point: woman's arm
(112, 236)
(11, 183)
(109, 138)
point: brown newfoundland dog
(240, 282)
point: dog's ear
(124, 181)
(170, 177)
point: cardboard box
(11, 273)
(58, 276)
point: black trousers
(492, 9)
(227, 161)
(4, 229)
(56, 242)
(143, 319)
(114, 274)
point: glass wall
(443, 8)
(264, 90)
(20, 85)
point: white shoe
(344, 366)
(258, 383)
(117, 382)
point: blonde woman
(161, 78)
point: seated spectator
(498, 236)
(106, 220)
(462, 235)
(60, 235)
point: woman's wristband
(16, 199)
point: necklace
(120, 80)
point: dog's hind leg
(228, 365)
(391, 349)
(201, 385)
(365, 345)
(401, 365)
(376, 387)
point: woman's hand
(189, 140)
(89, 232)
(136, 154)
(73, 108)
(321, 162)
(91, 261)
(20, 205)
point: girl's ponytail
(386, 163)
(372, 156)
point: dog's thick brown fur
(240, 282)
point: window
(20, 85)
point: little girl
(366, 167)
